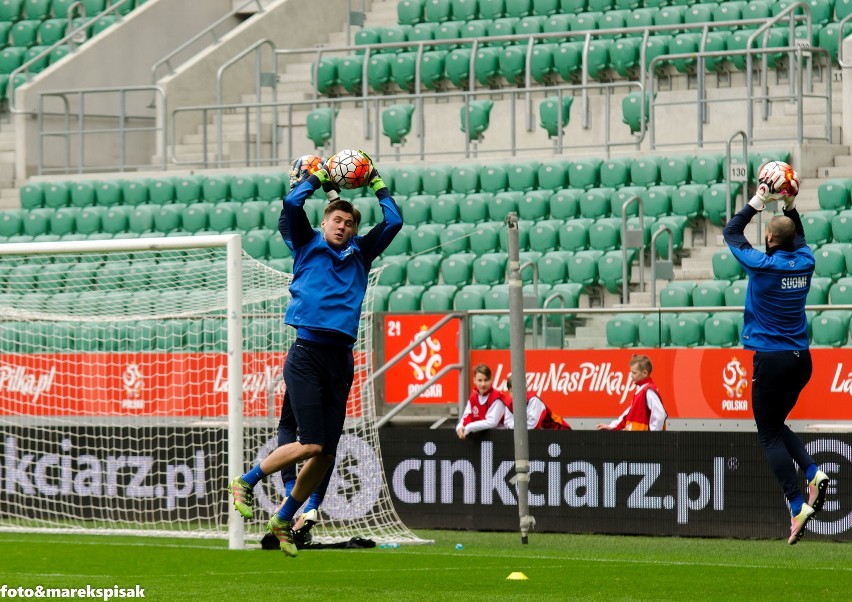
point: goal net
(115, 392)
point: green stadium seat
(522, 176)
(11, 222)
(544, 236)
(595, 203)
(193, 217)
(485, 238)
(840, 293)
(645, 171)
(32, 195)
(829, 330)
(167, 218)
(406, 298)
(188, 189)
(574, 235)
(605, 234)
(615, 172)
(401, 243)
(552, 175)
(326, 72)
(37, 222)
(350, 76)
(425, 238)
(497, 297)
(565, 203)
(829, 36)
(674, 171)
(162, 191)
(551, 118)
(11, 58)
(393, 270)
(24, 33)
(726, 267)
(687, 330)
(542, 62)
(10, 10)
(409, 12)
(457, 269)
(584, 173)
(57, 194)
(583, 267)
(221, 219)
(688, 200)
(818, 293)
(82, 194)
(64, 220)
(656, 200)
(490, 268)
(817, 228)
(415, 209)
(720, 330)
(470, 297)
(249, 215)
(445, 209)
(437, 11)
(714, 201)
(493, 178)
(707, 169)
(503, 203)
(625, 55)
(396, 122)
(631, 110)
(610, 270)
(320, 126)
(677, 293)
(835, 194)
(841, 227)
(435, 180)
(552, 268)
(735, 294)
(512, 62)
(115, 219)
(652, 331)
(134, 191)
(256, 243)
(40, 59)
(830, 261)
(534, 205)
(486, 66)
(455, 238)
(677, 225)
(621, 332)
(438, 298)
(270, 187)
(465, 179)
(424, 269)
(479, 114)
(710, 293)
(568, 60)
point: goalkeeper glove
(374, 180)
(329, 187)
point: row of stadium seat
(833, 260)
(719, 293)
(412, 12)
(550, 61)
(721, 329)
(201, 335)
(40, 10)
(521, 176)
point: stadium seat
(423, 269)
(479, 114)
(624, 56)
(574, 234)
(584, 173)
(706, 169)
(615, 172)
(503, 204)
(565, 203)
(595, 203)
(818, 293)
(552, 119)
(710, 293)
(544, 237)
(542, 62)
(493, 178)
(840, 293)
(320, 126)
(829, 330)
(677, 293)
(522, 176)
(656, 200)
(652, 331)
(497, 297)
(631, 110)
(115, 219)
(64, 220)
(270, 187)
(393, 272)
(188, 189)
(490, 268)
(830, 261)
(465, 179)
(552, 268)
(675, 170)
(688, 201)
(687, 330)
(726, 267)
(425, 238)
(834, 194)
(396, 122)
(485, 238)
(720, 330)
(406, 298)
(552, 175)
(534, 205)
(468, 299)
(817, 228)
(11, 222)
(605, 234)
(583, 267)
(610, 270)
(714, 200)
(435, 180)
(621, 332)
(619, 198)
(568, 60)
(415, 209)
(457, 269)
(445, 209)
(841, 227)
(161, 191)
(350, 76)
(455, 238)
(438, 298)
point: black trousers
(779, 377)
(288, 433)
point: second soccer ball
(349, 168)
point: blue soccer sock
(313, 502)
(810, 472)
(796, 505)
(289, 508)
(253, 476)
(288, 486)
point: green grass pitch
(558, 567)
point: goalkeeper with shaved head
(775, 327)
(329, 283)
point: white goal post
(138, 375)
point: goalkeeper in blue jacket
(329, 283)
(775, 327)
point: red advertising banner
(424, 361)
(694, 383)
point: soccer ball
(302, 167)
(769, 174)
(349, 168)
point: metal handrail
(625, 292)
(68, 40)
(166, 60)
(221, 71)
(662, 228)
(749, 93)
(81, 133)
(745, 138)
